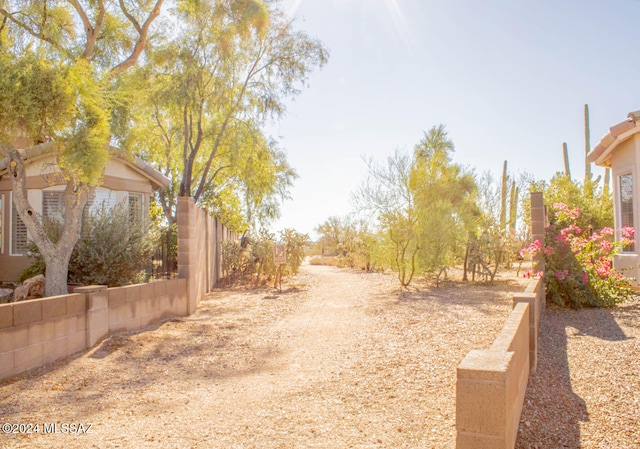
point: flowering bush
(579, 270)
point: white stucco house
(619, 150)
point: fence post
(187, 249)
(97, 319)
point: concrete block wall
(134, 307)
(40, 331)
(200, 238)
(491, 384)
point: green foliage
(209, 91)
(425, 208)
(111, 250)
(445, 197)
(36, 96)
(595, 210)
(85, 152)
(296, 244)
(578, 263)
(255, 255)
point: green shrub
(111, 250)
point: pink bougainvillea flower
(606, 231)
(627, 232)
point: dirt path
(338, 360)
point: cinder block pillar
(481, 400)
(97, 320)
(534, 317)
(187, 249)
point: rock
(5, 295)
(31, 288)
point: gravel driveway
(339, 359)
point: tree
(73, 51)
(445, 199)
(214, 85)
(387, 196)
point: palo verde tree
(387, 195)
(212, 88)
(445, 199)
(60, 60)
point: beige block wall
(39, 331)
(491, 385)
(134, 307)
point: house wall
(626, 159)
(118, 177)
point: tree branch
(34, 33)
(140, 43)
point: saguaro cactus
(565, 154)
(587, 145)
(513, 206)
(503, 198)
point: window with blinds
(135, 207)
(19, 236)
(100, 198)
(626, 205)
(53, 205)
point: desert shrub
(112, 250)
(578, 262)
(262, 255)
(323, 260)
(296, 244)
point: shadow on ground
(551, 417)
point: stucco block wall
(40, 331)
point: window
(100, 198)
(19, 237)
(53, 205)
(135, 207)
(626, 205)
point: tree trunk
(55, 254)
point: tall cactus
(513, 206)
(588, 184)
(503, 198)
(587, 144)
(607, 181)
(565, 154)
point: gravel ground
(586, 392)
(339, 359)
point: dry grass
(339, 359)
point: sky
(508, 78)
